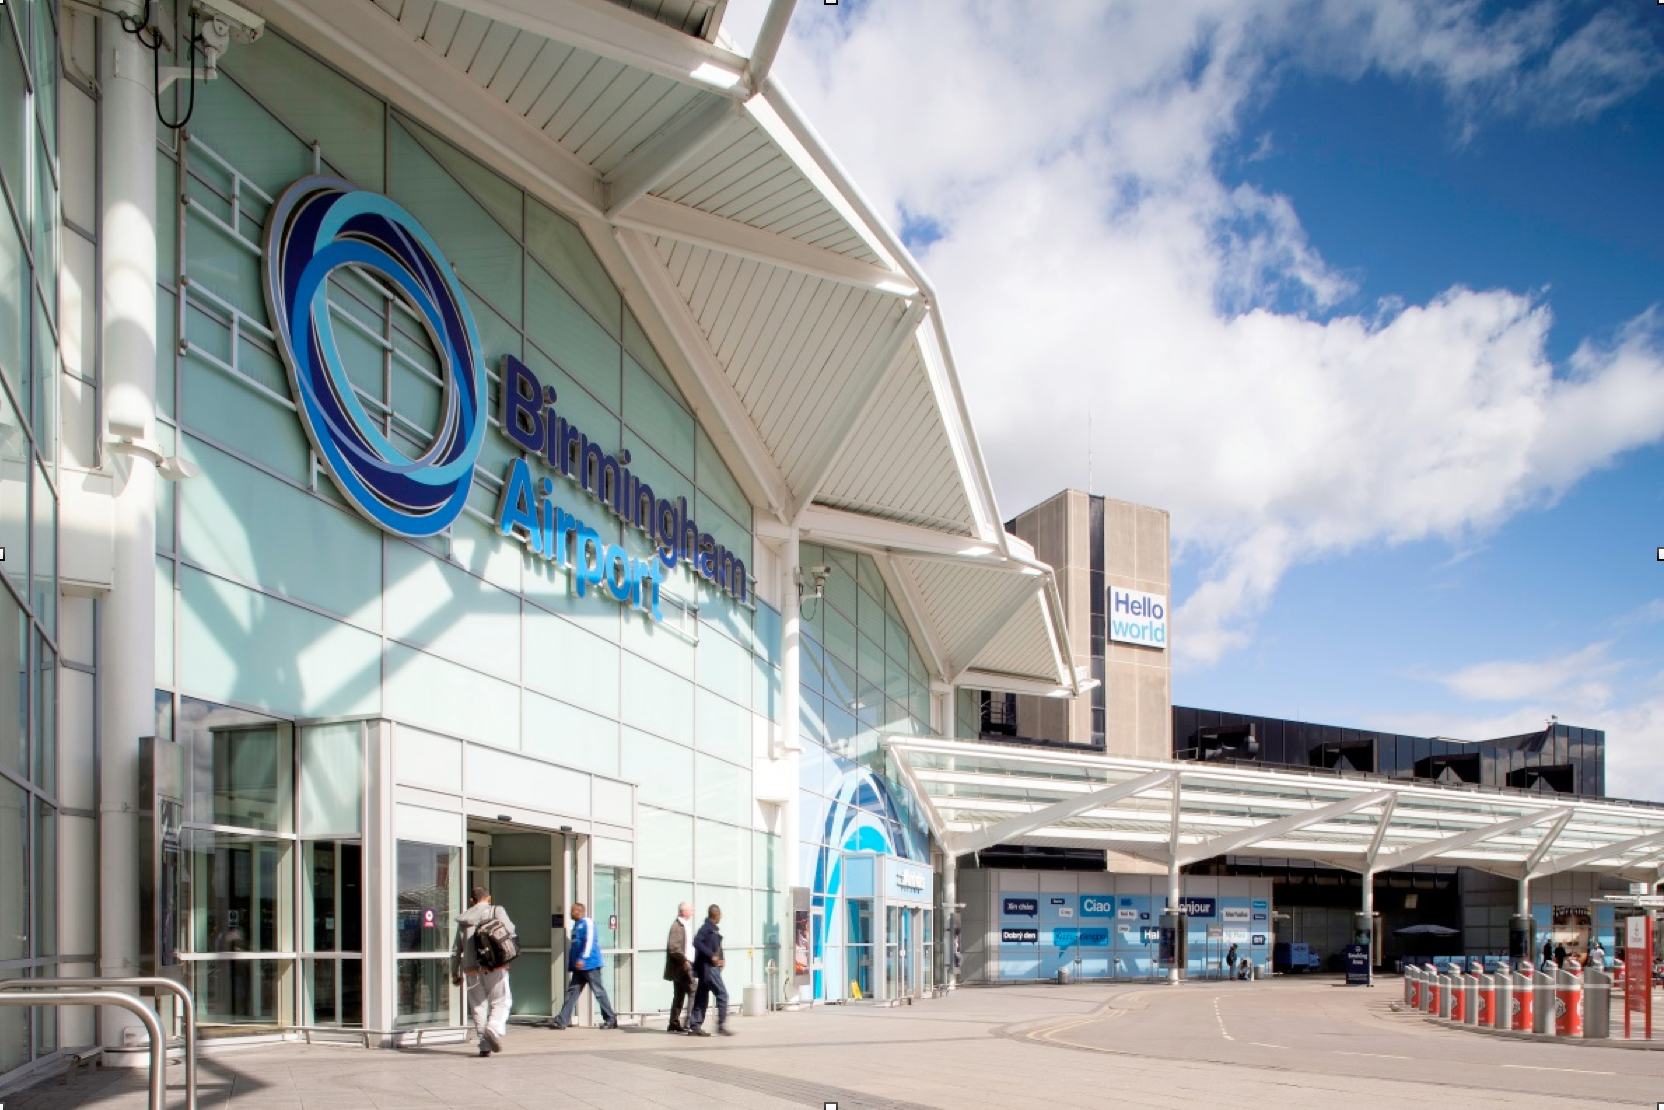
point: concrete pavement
(1277, 1046)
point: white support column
(950, 918)
(1173, 894)
(788, 742)
(1369, 916)
(127, 675)
(1523, 907)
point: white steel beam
(1594, 855)
(615, 32)
(1072, 806)
(767, 46)
(979, 679)
(998, 617)
(901, 580)
(362, 40)
(1403, 857)
(669, 149)
(1271, 830)
(1381, 824)
(1547, 843)
(657, 216)
(909, 540)
(715, 404)
(855, 399)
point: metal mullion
(230, 170)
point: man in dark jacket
(707, 968)
(678, 965)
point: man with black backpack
(485, 943)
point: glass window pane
(46, 886)
(13, 682)
(426, 996)
(241, 767)
(14, 872)
(240, 992)
(239, 897)
(15, 471)
(332, 779)
(44, 560)
(430, 897)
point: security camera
(233, 21)
(820, 573)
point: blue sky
(1367, 296)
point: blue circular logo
(317, 225)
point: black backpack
(494, 945)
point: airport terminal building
(480, 443)
(453, 444)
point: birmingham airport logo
(318, 225)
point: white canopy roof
(976, 795)
(802, 333)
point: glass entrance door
(524, 871)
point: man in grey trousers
(488, 995)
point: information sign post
(1638, 971)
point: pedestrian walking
(1230, 962)
(584, 958)
(1597, 955)
(1548, 950)
(488, 994)
(678, 966)
(707, 968)
(1560, 954)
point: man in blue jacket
(584, 952)
(707, 969)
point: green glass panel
(16, 468)
(14, 116)
(486, 256)
(570, 736)
(725, 857)
(641, 349)
(726, 531)
(724, 667)
(495, 194)
(721, 727)
(525, 895)
(449, 699)
(316, 102)
(657, 701)
(164, 622)
(569, 663)
(295, 545)
(436, 606)
(15, 314)
(657, 418)
(571, 336)
(253, 649)
(14, 871)
(167, 340)
(43, 560)
(717, 482)
(839, 636)
(559, 245)
(45, 218)
(332, 779)
(532, 986)
(224, 265)
(46, 879)
(234, 125)
(225, 409)
(664, 845)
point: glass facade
(1562, 759)
(29, 346)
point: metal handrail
(158, 1045)
(138, 982)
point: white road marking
(1377, 1055)
(1262, 1044)
(1220, 1018)
(1574, 1071)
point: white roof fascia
(360, 39)
(624, 36)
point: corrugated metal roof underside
(959, 598)
(598, 109)
(899, 465)
(742, 175)
(687, 16)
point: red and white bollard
(1523, 1015)
(1568, 1000)
(1484, 996)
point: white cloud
(1579, 678)
(1092, 258)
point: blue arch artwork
(862, 816)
